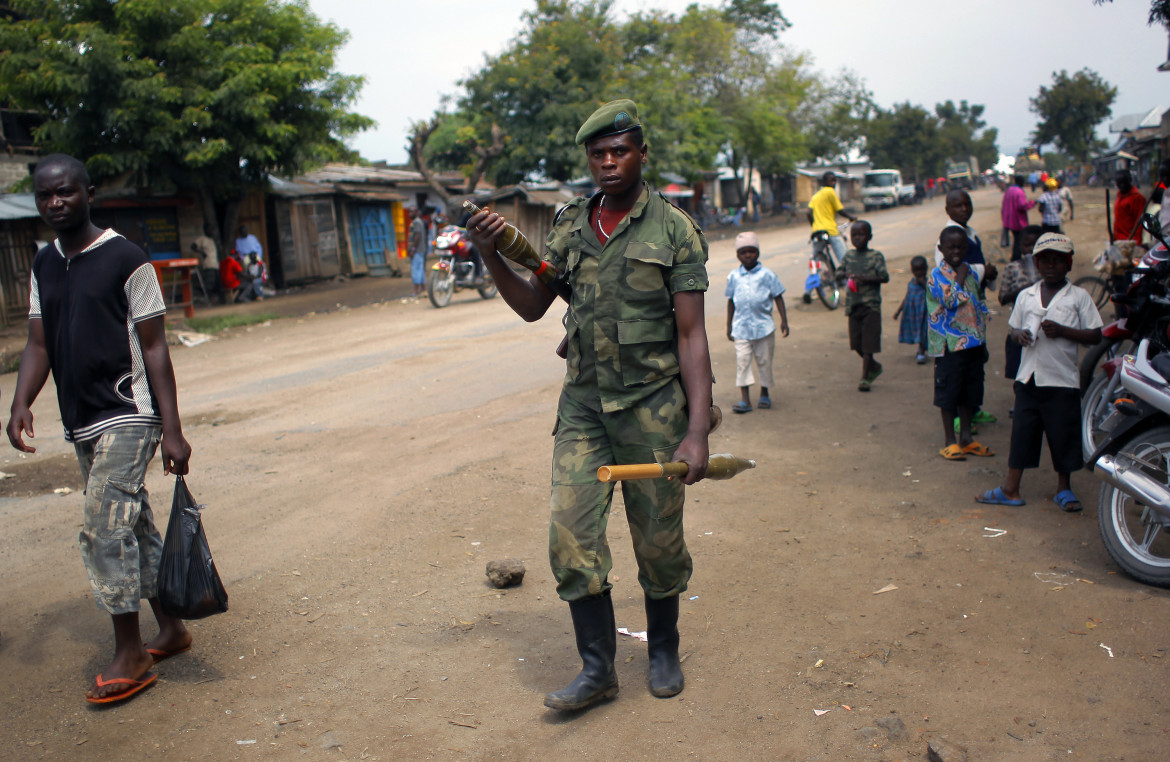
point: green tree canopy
(1070, 110)
(711, 81)
(207, 95)
(1159, 11)
(906, 138)
(920, 143)
(835, 116)
(962, 132)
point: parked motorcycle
(1133, 461)
(1140, 315)
(456, 267)
(1148, 317)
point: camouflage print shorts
(120, 544)
(585, 440)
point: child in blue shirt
(751, 290)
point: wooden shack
(530, 207)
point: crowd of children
(944, 315)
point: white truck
(884, 187)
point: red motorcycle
(459, 267)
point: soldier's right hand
(484, 228)
(21, 421)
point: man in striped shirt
(96, 321)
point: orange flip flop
(977, 449)
(952, 452)
(135, 686)
(158, 654)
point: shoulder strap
(569, 212)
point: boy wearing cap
(637, 389)
(1049, 320)
(751, 289)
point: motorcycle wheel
(487, 289)
(440, 287)
(1095, 408)
(1098, 289)
(1101, 352)
(1137, 537)
(827, 289)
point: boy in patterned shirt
(957, 340)
(867, 272)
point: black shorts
(865, 330)
(1051, 412)
(958, 378)
(1012, 354)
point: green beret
(613, 118)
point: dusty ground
(362, 466)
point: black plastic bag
(188, 584)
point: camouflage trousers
(586, 440)
(120, 545)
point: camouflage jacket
(622, 339)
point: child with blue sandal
(751, 290)
(1049, 320)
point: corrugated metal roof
(1134, 122)
(18, 206)
(349, 173)
(545, 194)
(278, 186)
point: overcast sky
(994, 52)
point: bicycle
(823, 276)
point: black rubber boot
(596, 631)
(666, 676)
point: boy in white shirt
(751, 290)
(1050, 318)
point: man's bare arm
(176, 452)
(34, 371)
(528, 298)
(695, 369)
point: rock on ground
(506, 572)
(942, 750)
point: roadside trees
(205, 95)
(1070, 110)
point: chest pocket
(647, 267)
(1064, 314)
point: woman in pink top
(1014, 213)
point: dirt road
(361, 467)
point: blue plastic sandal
(1068, 502)
(997, 497)
(764, 403)
(742, 407)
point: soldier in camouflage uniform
(637, 389)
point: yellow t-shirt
(824, 205)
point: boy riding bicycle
(823, 209)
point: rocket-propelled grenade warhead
(513, 245)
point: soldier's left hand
(694, 452)
(484, 228)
